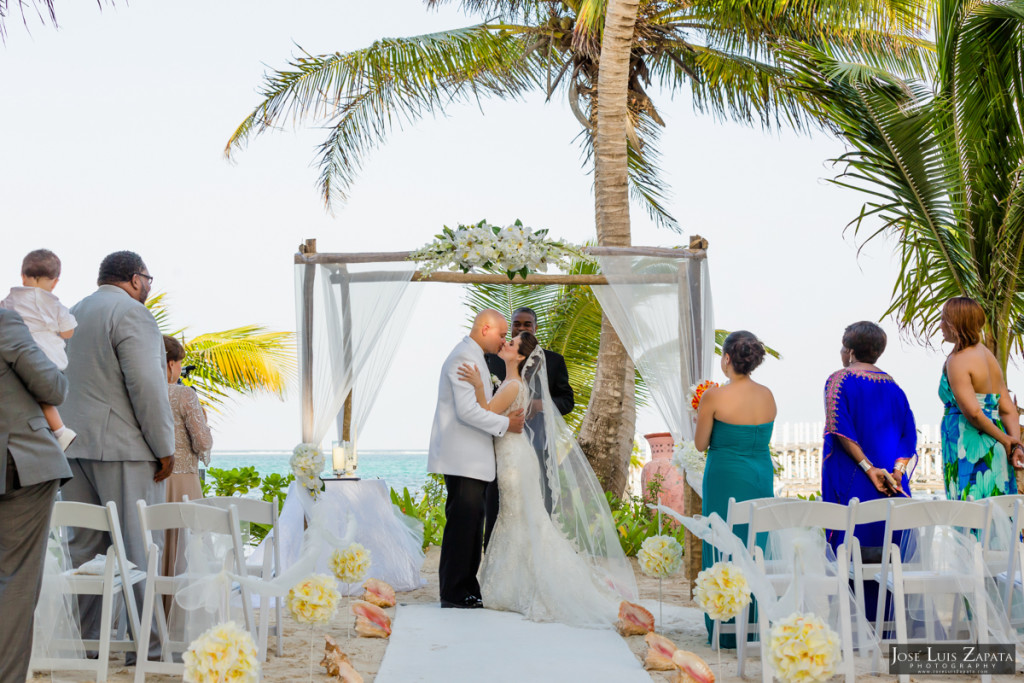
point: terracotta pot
(673, 489)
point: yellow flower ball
(223, 653)
(722, 591)
(314, 599)
(803, 649)
(660, 556)
(350, 565)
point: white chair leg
(264, 627)
(762, 630)
(278, 628)
(899, 608)
(741, 640)
(106, 620)
(142, 655)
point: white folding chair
(737, 514)
(259, 512)
(801, 514)
(900, 578)
(193, 519)
(863, 513)
(1012, 577)
(106, 585)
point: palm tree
(942, 162)
(723, 52)
(243, 360)
(43, 8)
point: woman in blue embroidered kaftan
(867, 417)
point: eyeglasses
(149, 278)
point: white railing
(798, 449)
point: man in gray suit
(29, 477)
(118, 405)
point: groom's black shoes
(470, 602)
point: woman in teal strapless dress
(980, 428)
(734, 425)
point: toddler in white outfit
(49, 321)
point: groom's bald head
(489, 330)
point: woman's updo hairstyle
(527, 343)
(745, 351)
(174, 349)
(866, 340)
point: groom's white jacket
(461, 440)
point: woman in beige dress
(192, 443)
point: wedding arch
(350, 308)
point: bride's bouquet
(697, 392)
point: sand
(367, 653)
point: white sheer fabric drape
(661, 310)
(350, 314)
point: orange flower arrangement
(699, 390)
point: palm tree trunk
(606, 434)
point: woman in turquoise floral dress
(980, 428)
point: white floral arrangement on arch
(722, 591)
(515, 249)
(225, 652)
(351, 564)
(307, 462)
(690, 463)
(660, 556)
(803, 649)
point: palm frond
(364, 94)
(246, 359)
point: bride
(565, 565)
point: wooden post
(344, 285)
(306, 352)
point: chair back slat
(163, 516)
(931, 513)
(80, 515)
(249, 509)
(799, 514)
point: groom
(462, 449)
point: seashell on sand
(634, 620)
(659, 653)
(379, 593)
(371, 621)
(337, 663)
(692, 669)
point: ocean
(401, 469)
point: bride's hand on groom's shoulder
(471, 373)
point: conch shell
(379, 593)
(634, 620)
(659, 653)
(371, 621)
(692, 669)
(337, 663)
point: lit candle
(338, 457)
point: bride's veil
(575, 501)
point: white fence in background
(798, 449)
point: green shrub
(635, 522)
(428, 509)
(239, 481)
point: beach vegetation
(427, 508)
(244, 360)
(940, 160)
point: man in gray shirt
(118, 405)
(33, 465)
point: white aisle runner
(429, 644)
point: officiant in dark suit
(525, 320)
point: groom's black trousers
(462, 543)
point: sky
(113, 127)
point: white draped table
(394, 540)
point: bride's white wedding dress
(530, 567)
